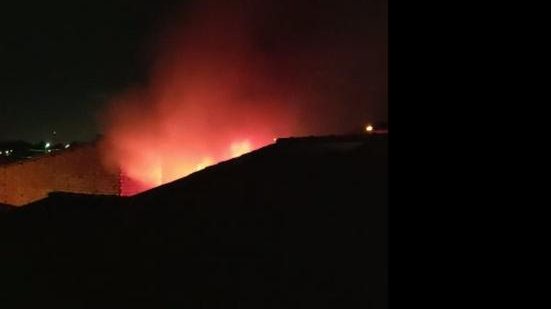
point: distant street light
(47, 145)
(369, 128)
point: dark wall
(293, 225)
(73, 170)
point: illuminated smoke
(216, 92)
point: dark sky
(60, 61)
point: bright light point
(47, 145)
(240, 148)
(67, 146)
(369, 128)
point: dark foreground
(298, 224)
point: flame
(220, 87)
(239, 148)
(206, 162)
(203, 105)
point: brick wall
(76, 170)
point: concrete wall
(76, 170)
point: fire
(203, 105)
(148, 169)
(239, 148)
(219, 87)
(206, 162)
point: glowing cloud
(219, 87)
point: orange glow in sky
(215, 91)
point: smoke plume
(227, 78)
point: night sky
(60, 62)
